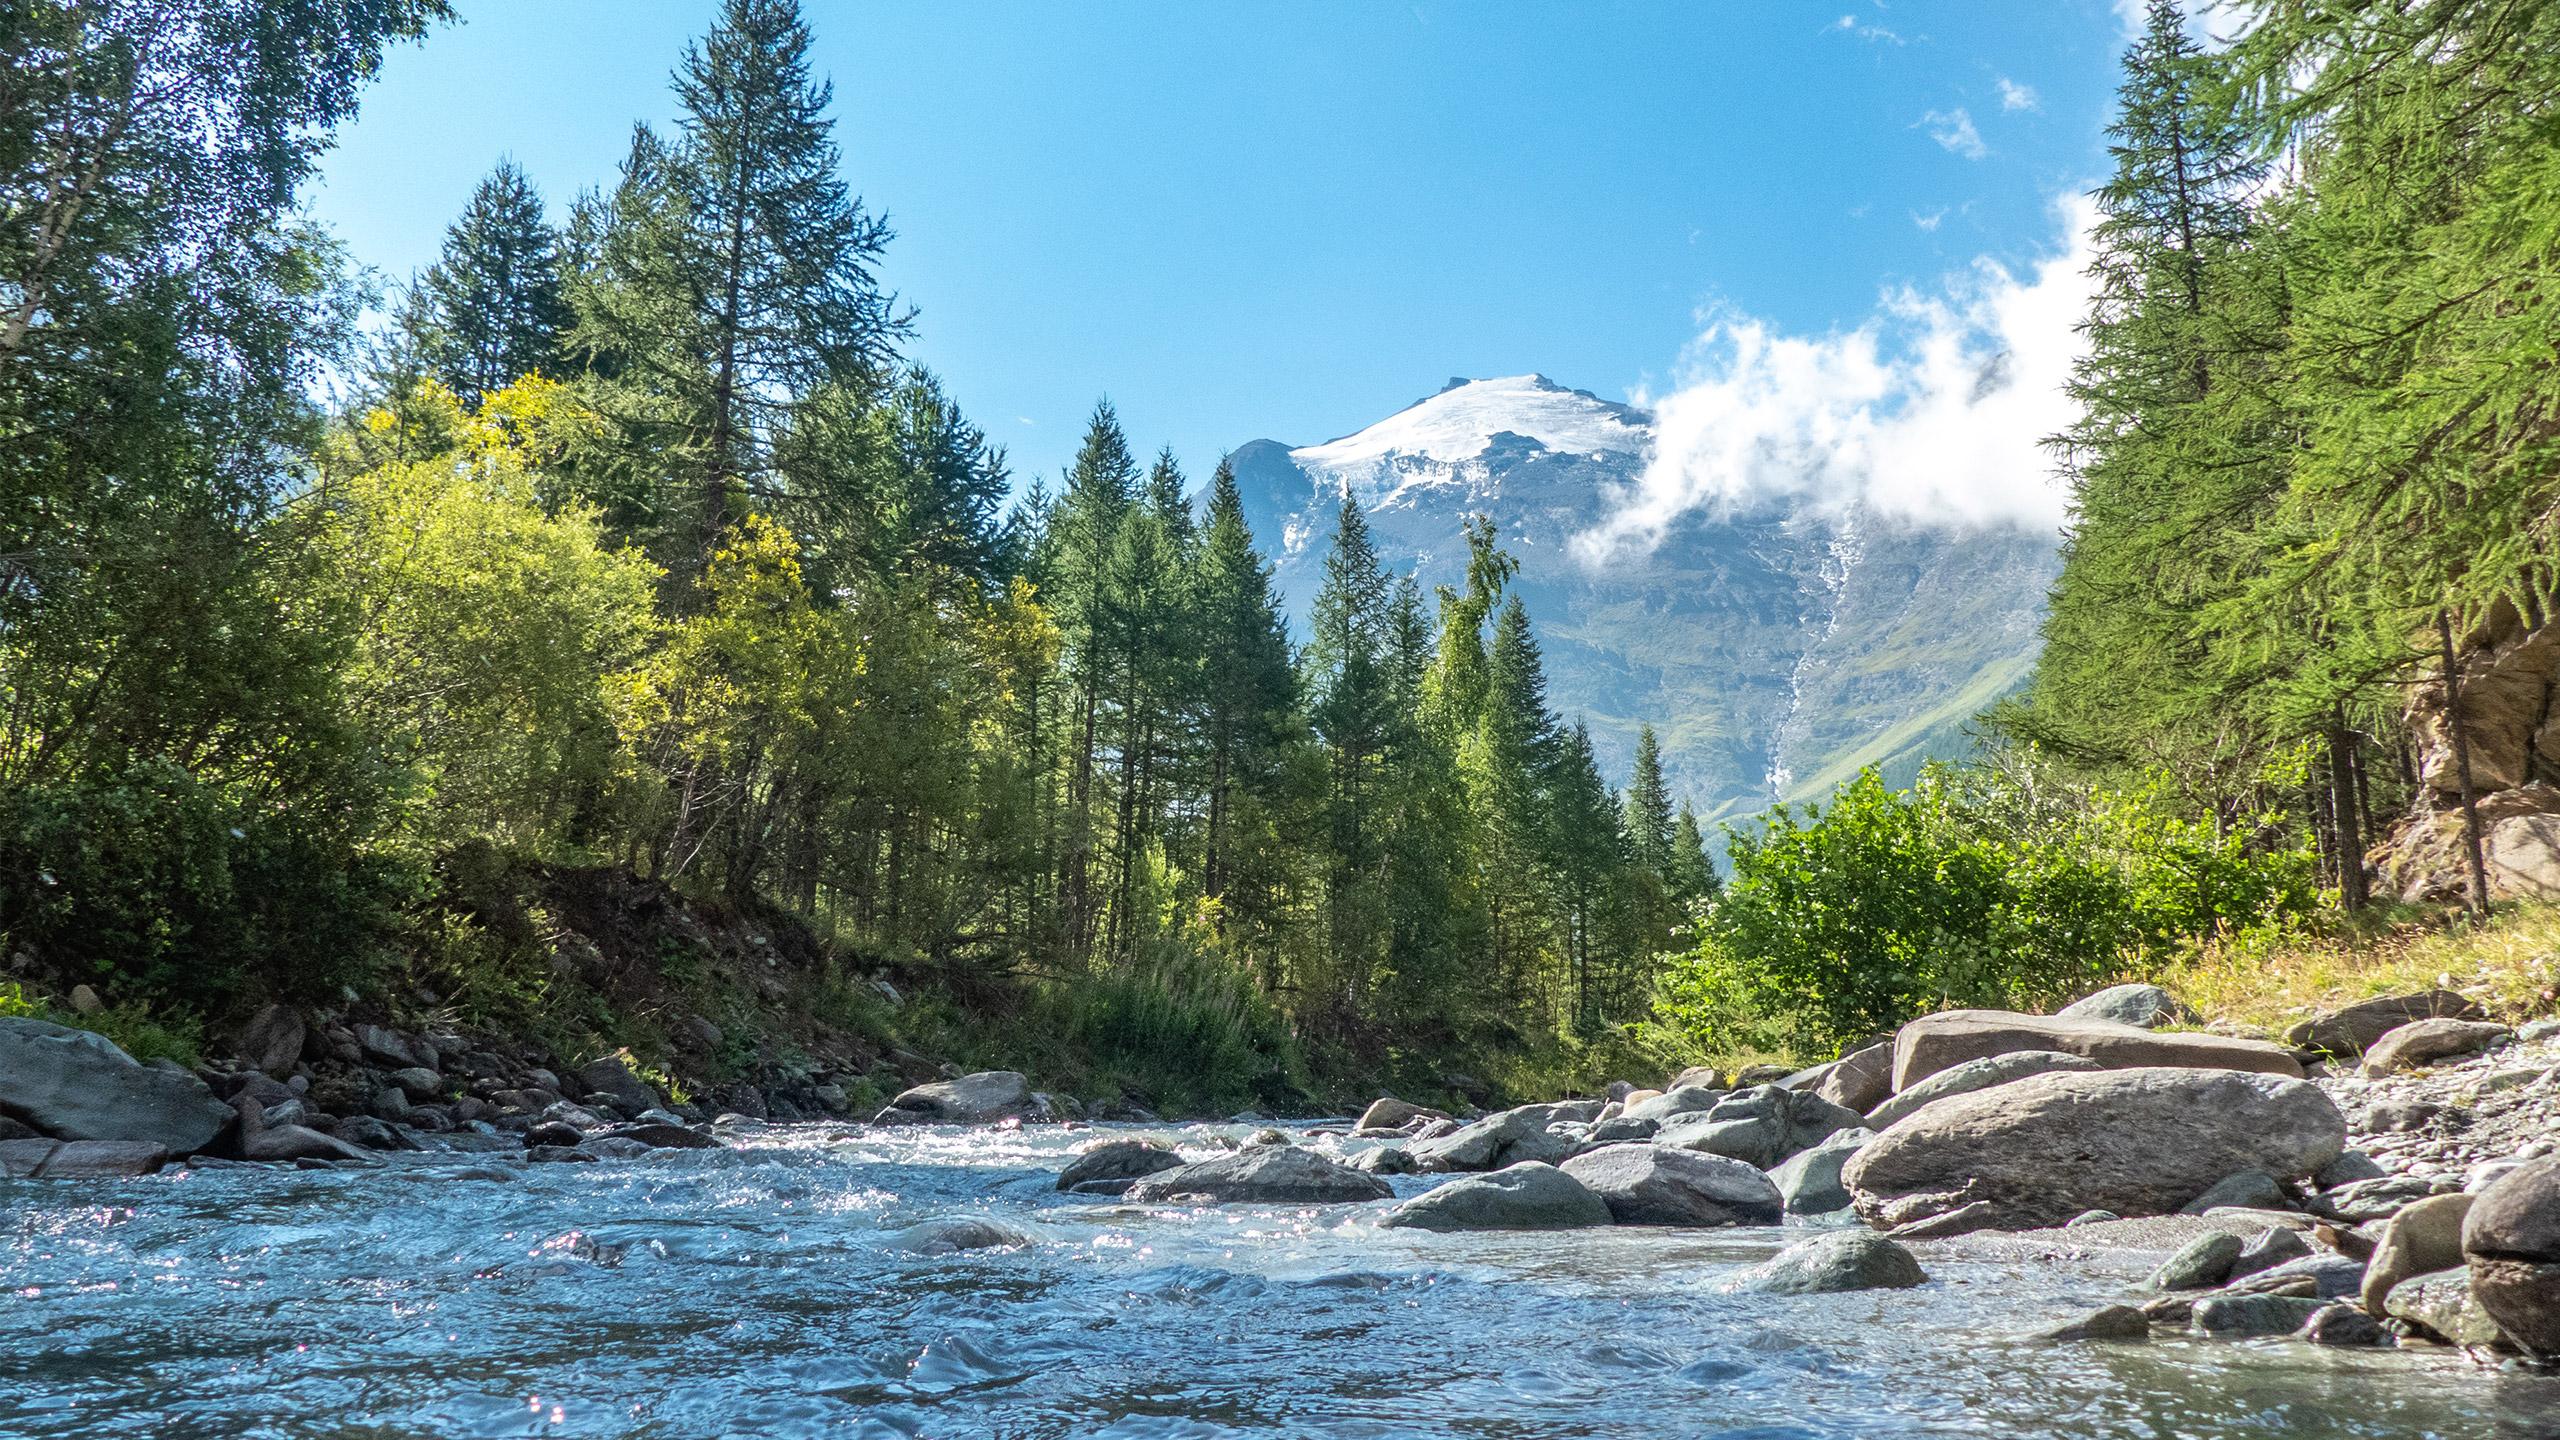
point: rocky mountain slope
(1775, 649)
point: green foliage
(1846, 919)
(134, 1028)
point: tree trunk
(2462, 771)
(2345, 824)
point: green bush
(153, 883)
(1188, 1030)
(1846, 919)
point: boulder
(2143, 1005)
(2201, 1264)
(2420, 1240)
(2424, 1042)
(2248, 1190)
(1390, 1113)
(611, 1076)
(2342, 1326)
(2269, 1251)
(2352, 1029)
(1951, 1037)
(272, 1040)
(2442, 1305)
(1975, 1075)
(73, 1085)
(372, 1134)
(953, 1234)
(1760, 1126)
(1671, 1104)
(1809, 1183)
(1386, 1160)
(1698, 1077)
(388, 1048)
(1276, 1174)
(2108, 1322)
(418, 1083)
(2240, 1316)
(985, 1098)
(79, 1159)
(1860, 1080)
(659, 1135)
(2512, 1239)
(298, 1142)
(1829, 1264)
(1112, 1166)
(2035, 1152)
(1645, 1184)
(1527, 1196)
(1507, 1137)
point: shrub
(1843, 920)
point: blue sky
(1280, 218)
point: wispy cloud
(1953, 130)
(1929, 220)
(2014, 96)
(1933, 410)
(1866, 30)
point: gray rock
(1619, 1130)
(2419, 1240)
(2239, 1316)
(2342, 1326)
(1951, 1037)
(1671, 1104)
(954, 1234)
(2352, 1029)
(1386, 1160)
(2200, 1264)
(2349, 1167)
(2424, 1042)
(2266, 1250)
(657, 1135)
(2091, 1217)
(272, 1040)
(1527, 1196)
(2360, 1200)
(1120, 1162)
(2512, 1240)
(2321, 1276)
(1276, 1174)
(392, 1050)
(1645, 1184)
(43, 1159)
(1699, 1077)
(1507, 1137)
(2111, 1322)
(2035, 1152)
(611, 1076)
(392, 1104)
(1829, 1264)
(2144, 1005)
(1976, 1075)
(418, 1083)
(2250, 1189)
(1760, 1126)
(373, 1134)
(1860, 1080)
(1390, 1113)
(1751, 1075)
(298, 1142)
(1809, 1183)
(2442, 1305)
(73, 1085)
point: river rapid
(778, 1289)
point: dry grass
(2511, 968)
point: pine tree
(732, 275)
(489, 311)
(1692, 874)
(1248, 696)
(1084, 536)
(1648, 813)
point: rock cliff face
(2510, 674)
(1776, 649)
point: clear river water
(776, 1290)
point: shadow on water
(780, 1291)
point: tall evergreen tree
(1248, 693)
(489, 311)
(1648, 814)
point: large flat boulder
(985, 1098)
(2144, 1005)
(1527, 1196)
(2511, 1238)
(1661, 1185)
(1975, 1075)
(1273, 1174)
(2352, 1029)
(1760, 1126)
(1861, 1079)
(1951, 1037)
(73, 1085)
(2037, 1152)
(1507, 1138)
(2424, 1042)
(79, 1159)
(1110, 1167)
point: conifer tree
(1248, 692)
(1692, 874)
(1648, 817)
(489, 311)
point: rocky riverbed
(1987, 1224)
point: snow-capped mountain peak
(1464, 420)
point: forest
(634, 541)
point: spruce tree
(1692, 873)
(1648, 815)
(1248, 690)
(489, 311)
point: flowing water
(772, 1291)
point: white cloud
(1953, 129)
(1931, 221)
(1866, 30)
(2014, 96)
(1934, 410)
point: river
(774, 1291)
